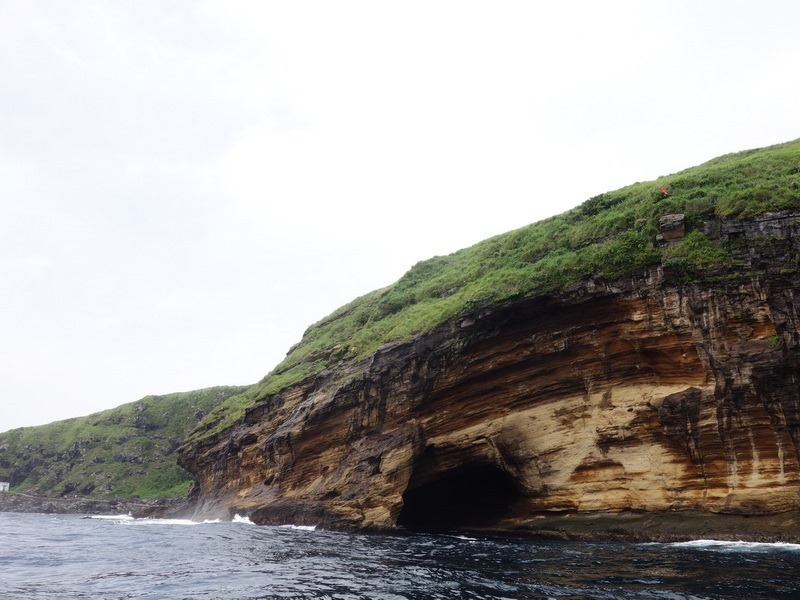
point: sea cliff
(663, 403)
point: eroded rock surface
(646, 395)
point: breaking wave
(739, 546)
(239, 519)
(130, 520)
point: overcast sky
(186, 186)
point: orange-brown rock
(642, 396)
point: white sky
(186, 186)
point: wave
(464, 537)
(239, 519)
(130, 520)
(149, 521)
(300, 527)
(736, 545)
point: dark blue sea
(118, 557)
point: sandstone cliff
(656, 399)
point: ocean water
(117, 557)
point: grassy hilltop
(606, 237)
(122, 453)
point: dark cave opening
(473, 497)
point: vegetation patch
(123, 453)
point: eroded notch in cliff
(468, 497)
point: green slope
(123, 453)
(606, 237)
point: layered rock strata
(652, 395)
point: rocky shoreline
(29, 503)
(630, 526)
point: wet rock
(31, 503)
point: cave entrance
(467, 498)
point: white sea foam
(736, 545)
(300, 527)
(239, 519)
(130, 520)
(149, 521)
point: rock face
(652, 395)
(672, 229)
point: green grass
(125, 453)
(608, 236)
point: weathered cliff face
(643, 395)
